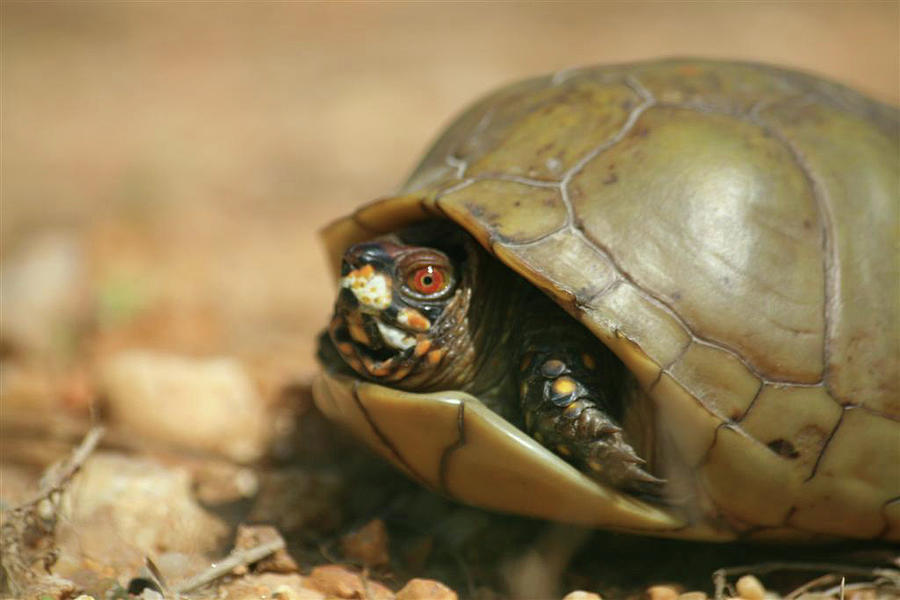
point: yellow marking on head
(539, 437)
(346, 348)
(564, 386)
(589, 361)
(594, 465)
(365, 271)
(523, 389)
(435, 356)
(422, 347)
(564, 450)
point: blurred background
(184, 155)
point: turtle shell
(730, 231)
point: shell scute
(556, 264)
(793, 421)
(756, 485)
(562, 125)
(695, 184)
(861, 254)
(508, 211)
(718, 379)
(856, 473)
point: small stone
(136, 507)
(582, 595)
(750, 588)
(693, 596)
(425, 589)
(43, 293)
(209, 405)
(269, 585)
(341, 582)
(368, 545)
(662, 592)
(252, 536)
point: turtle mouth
(373, 344)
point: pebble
(136, 507)
(341, 582)
(582, 595)
(368, 544)
(662, 592)
(43, 292)
(425, 589)
(252, 536)
(209, 405)
(276, 586)
(749, 587)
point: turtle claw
(614, 462)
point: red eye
(427, 280)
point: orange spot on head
(346, 348)
(414, 319)
(400, 374)
(365, 271)
(422, 347)
(435, 356)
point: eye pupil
(428, 280)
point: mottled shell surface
(730, 231)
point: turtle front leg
(569, 405)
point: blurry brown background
(187, 153)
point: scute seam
(449, 450)
(385, 439)
(827, 443)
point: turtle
(660, 298)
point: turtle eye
(428, 280)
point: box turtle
(661, 298)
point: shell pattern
(730, 231)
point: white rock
(134, 507)
(43, 291)
(204, 404)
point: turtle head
(389, 316)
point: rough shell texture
(731, 232)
